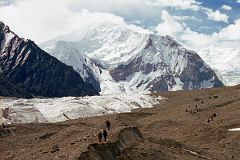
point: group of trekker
(104, 134)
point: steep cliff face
(34, 70)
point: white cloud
(230, 33)
(41, 20)
(238, 1)
(2, 3)
(169, 26)
(217, 16)
(46, 19)
(196, 40)
(183, 18)
(226, 37)
(193, 5)
(6, 2)
(179, 4)
(226, 7)
(177, 29)
(36, 19)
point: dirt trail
(182, 128)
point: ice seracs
(62, 109)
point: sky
(196, 23)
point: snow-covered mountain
(225, 62)
(127, 58)
(113, 44)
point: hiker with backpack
(105, 134)
(100, 135)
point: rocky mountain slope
(34, 70)
(126, 58)
(8, 89)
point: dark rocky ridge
(34, 70)
(193, 73)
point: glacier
(51, 110)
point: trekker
(214, 115)
(100, 137)
(105, 134)
(208, 121)
(108, 124)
